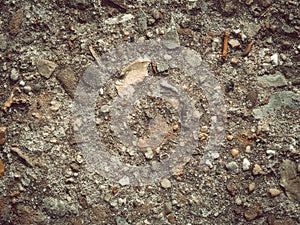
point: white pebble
(165, 183)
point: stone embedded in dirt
(246, 164)
(45, 67)
(2, 167)
(229, 137)
(275, 80)
(290, 180)
(234, 152)
(233, 186)
(14, 74)
(275, 59)
(256, 170)
(251, 187)
(274, 192)
(233, 167)
(68, 80)
(171, 38)
(149, 153)
(251, 29)
(165, 183)
(2, 135)
(55, 206)
(252, 213)
(283, 99)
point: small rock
(238, 201)
(14, 75)
(22, 83)
(234, 43)
(156, 14)
(142, 21)
(271, 153)
(162, 67)
(105, 109)
(203, 136)
(2, 135)
(251, 29)
(54, 206)
(171, 38)
(248, 149)
(165, 183)
(234, 152)
(68, 80)
(275, 59)
(27, 89)
(246, 164)
(251, 187)
(252, 213)
(256, 169)
(204, 129)
(149, 153)
(274, 192)
(233, 167)
(121, 221)
(229, 137)
(45, 67)
(275, 80)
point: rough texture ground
(45, 49)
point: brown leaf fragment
(1, 168)
(16, 22)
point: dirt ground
(46, 48)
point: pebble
(251, 187)
(248, 149)
(149, 153)
(156, 14)
(165, 183)
(204, 129)
(271, 153)
(238, 201)
(234, 43)
(27, 89)
(14, 74)
(105, 109)
(45, 67)
(203, 136)
(246, 164)
(234, 152)
(275, 59)
(256, 169)
(274, 192)
(233, 167)
(2, 135)
(229, 137)
(22, 83)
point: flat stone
(283, 99)
(274, 192)
(289, 180)
(68, 80)
(251, 29)
(246, 164)
(165, 183)
(234, 43)
(275, 80)
(233, 167)
(45, 67)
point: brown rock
(2, 135)
(289, 180)
(45, 67)
(68, 80)
(256, 169)
(251, 187)
(274, 192)
(252, 213)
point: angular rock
(45, 67)
(165, 183)
(233, 167)
(275, 80)
(290, 180)
(171, 38)
(283, 99)
(68, 80)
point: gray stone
(162, 67)
(275, 80)
(14, 74)
(278, 100)
(289, 180)
(246, 164)
(105, 109)
(171, 38)
(55, 206)
(251, 29)
(233, 167)
(45, 67)
(142, 21)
